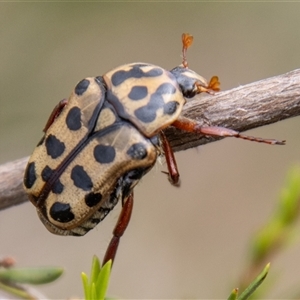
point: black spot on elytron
(54, 146)
(166, 88)
(81, 179)
(119, 77)
(92, 199)
(104, 154)
(82, 86)
(138, 92)
(57, 187)
(156, 101)
(154, 72)
(46, 173)
(139, 65)
(137, 151)
(30, 175)
(170, 107)
(73, 119)
(61, 212)
(145, 114)
(135, 72)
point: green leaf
(93, 292)
(289, 205)
(85, 282)
(234, 294)
(103, 280)
(95, 269)
(266, 239)
(254, 284)
(96, 287)
(31, 275)
(17, 292)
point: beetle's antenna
(187, 41)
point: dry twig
(249, 106)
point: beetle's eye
(186, 80)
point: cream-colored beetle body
(100, 145)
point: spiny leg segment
(193, 126)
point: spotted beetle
(100, 142)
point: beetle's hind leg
(119, 230)
(192, 126)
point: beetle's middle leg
(193, 126)
(119, 230)
(173, 173)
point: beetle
(100, 142)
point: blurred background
(187, 242)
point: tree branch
(11, 183)
(242, 108)
(256, 104)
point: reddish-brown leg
(119, 230)
(55, 113)
(192, 126)
(173, 174)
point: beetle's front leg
(173, 174)
(119, 230)
(193, 126)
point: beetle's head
(192, 83)
(189, 81)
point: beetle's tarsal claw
(260, 140)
